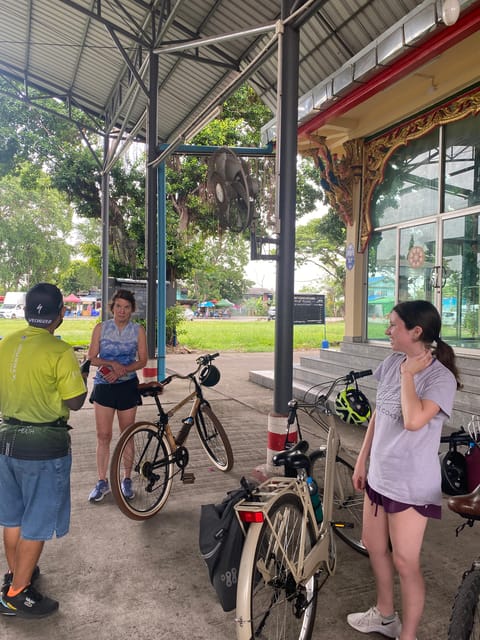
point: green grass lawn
(76, 332)
(254, 335)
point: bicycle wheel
(213, 438)
(142, 455)
(347, 503)
(270, 605)
(465, 618)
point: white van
(13, 305)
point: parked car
(449, 318)
(271, 313)
(12, 311)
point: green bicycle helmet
(352, 406)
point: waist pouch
(26, 441)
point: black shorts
(120, 396)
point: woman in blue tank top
(118, 348)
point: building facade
(399, 155)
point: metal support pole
(162, 272)
(151, 207)
(287, 117)
(105, 211)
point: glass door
(417, 271)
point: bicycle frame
(164, 416)
(271, 490)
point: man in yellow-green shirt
(40, 382)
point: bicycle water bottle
(187, 424)
(315, 498)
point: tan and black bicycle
(151, 455)
(290, 549)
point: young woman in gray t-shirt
(416, 391)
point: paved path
(118, 579)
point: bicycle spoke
(145, 457)
(280, 608)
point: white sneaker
(372, 621)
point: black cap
(43, 304)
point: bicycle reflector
(352, 406)
(209, 376)
(251, 516)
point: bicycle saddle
(293, 458)
(467, 506)
(150, 388)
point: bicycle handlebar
(322, 399)
(354, 375)
(155, 388)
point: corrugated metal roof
(95, 52)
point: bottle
(183, 433)
(314, 496)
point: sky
(263, 272)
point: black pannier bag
(221, 542)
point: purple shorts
(393, 506)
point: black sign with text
(309, 308)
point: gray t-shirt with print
(404, 465)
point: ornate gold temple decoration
(338, 175)
(379, 150)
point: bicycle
(288, 555)
(465, 616)
(149, 453)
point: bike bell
(209, 376)
(352, 406)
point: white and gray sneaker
(372, 621)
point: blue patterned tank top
(118, 345)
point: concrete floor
(120, 579)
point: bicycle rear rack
(263, 496)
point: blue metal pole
(162, 271)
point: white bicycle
(288, 554)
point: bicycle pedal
(188, 478)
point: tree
(322, 242)
(220, 270)
(35, 219)
(78, 276)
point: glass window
(461, 281)
(381, 281)
(462, 164)
(410, 187)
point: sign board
(309, 308)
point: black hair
(423, 314)
(124, 294)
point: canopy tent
(72, 298)
(224, 303)
(207, 303)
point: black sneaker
(30, 604)
(8, 577)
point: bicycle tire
(465, 617)
(275, 608)
(347, 503)
(214, 438)
(151, 473)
